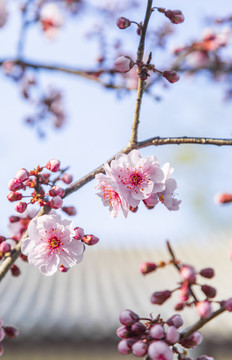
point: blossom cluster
(155, 337)
(36, 180)
(132, 178)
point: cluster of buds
(186, 296)
(6, 331)
(175, 16)
(155, 337)
(123, 64)
(36, 180)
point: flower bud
(175, 320)
(172, 335)
(56, 191)
(147, 267)
(209, 291)
(188, 273)
(175, 16)
(139, 348)
(228, 305)
(204, 309)
(14, 219)
(70, 210)
(124, 346)
(90, 239)
(138, 328)
(123, 23)
(56, 202)
(14, 196)
(67, 178)
(53, 165)
(20, 207)
(15, 271)
(159, 297)
(5, 247)
(79, 233)
(123, 64)
(22, 175)
(207, 273)
(172, 76)
(192, 341)
(184, 292)
(156, 331)
(64, 269)
(128, 317)
(15, 184)
(11, 332)
(123, 332)
(160, 350)
(2, 238)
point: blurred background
(76, 314)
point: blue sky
(99, 125)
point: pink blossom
(188, 273)
(15, 184)
(166, 196)
(53, 165)
(67, 178)
(172, 76)
(175, 16)
(50, 244)
(79, 233)
(160, 350)
(172, 335)
(56, 202)
(136, 176)
(20, 206)
(56, 190)
(123, 64)
(123, 22)
(22, 175)
(3, 13)
(109, 192)
(51, 19)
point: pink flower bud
(123, 23)
(79, 233)
(62, 268)
(20, 207)
(11, 332)
(223, 198)
(5, 247)
(184, 292)
(67, 178)
(188, 273)
(159, 297)
(160, 350)
(124, 346)
(123, 332)
(204, 309)
(209, 291)
(90, 239)
(228, 305)
(138, 328)
(139, 348)
(123, 64)
(172, 76)
(14, 196)
(53, 165)
(172, 335)
(56, 191)
(175, 16)
(128, 317)
(207, 273)
(15, 184)
(2, 238)
(192, 341)
(15, 271)
(147, 267)
(56, 202)
(22, 175)
(156, 331)
(70, 210)
(14, 219)
(175, 320)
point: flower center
(136, 179)
(54, 243)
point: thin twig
(141, 82)
(183, 140)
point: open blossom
(109, 192)
(136, 176)
(51, 19)
(50, 244)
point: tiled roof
(86, 301)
